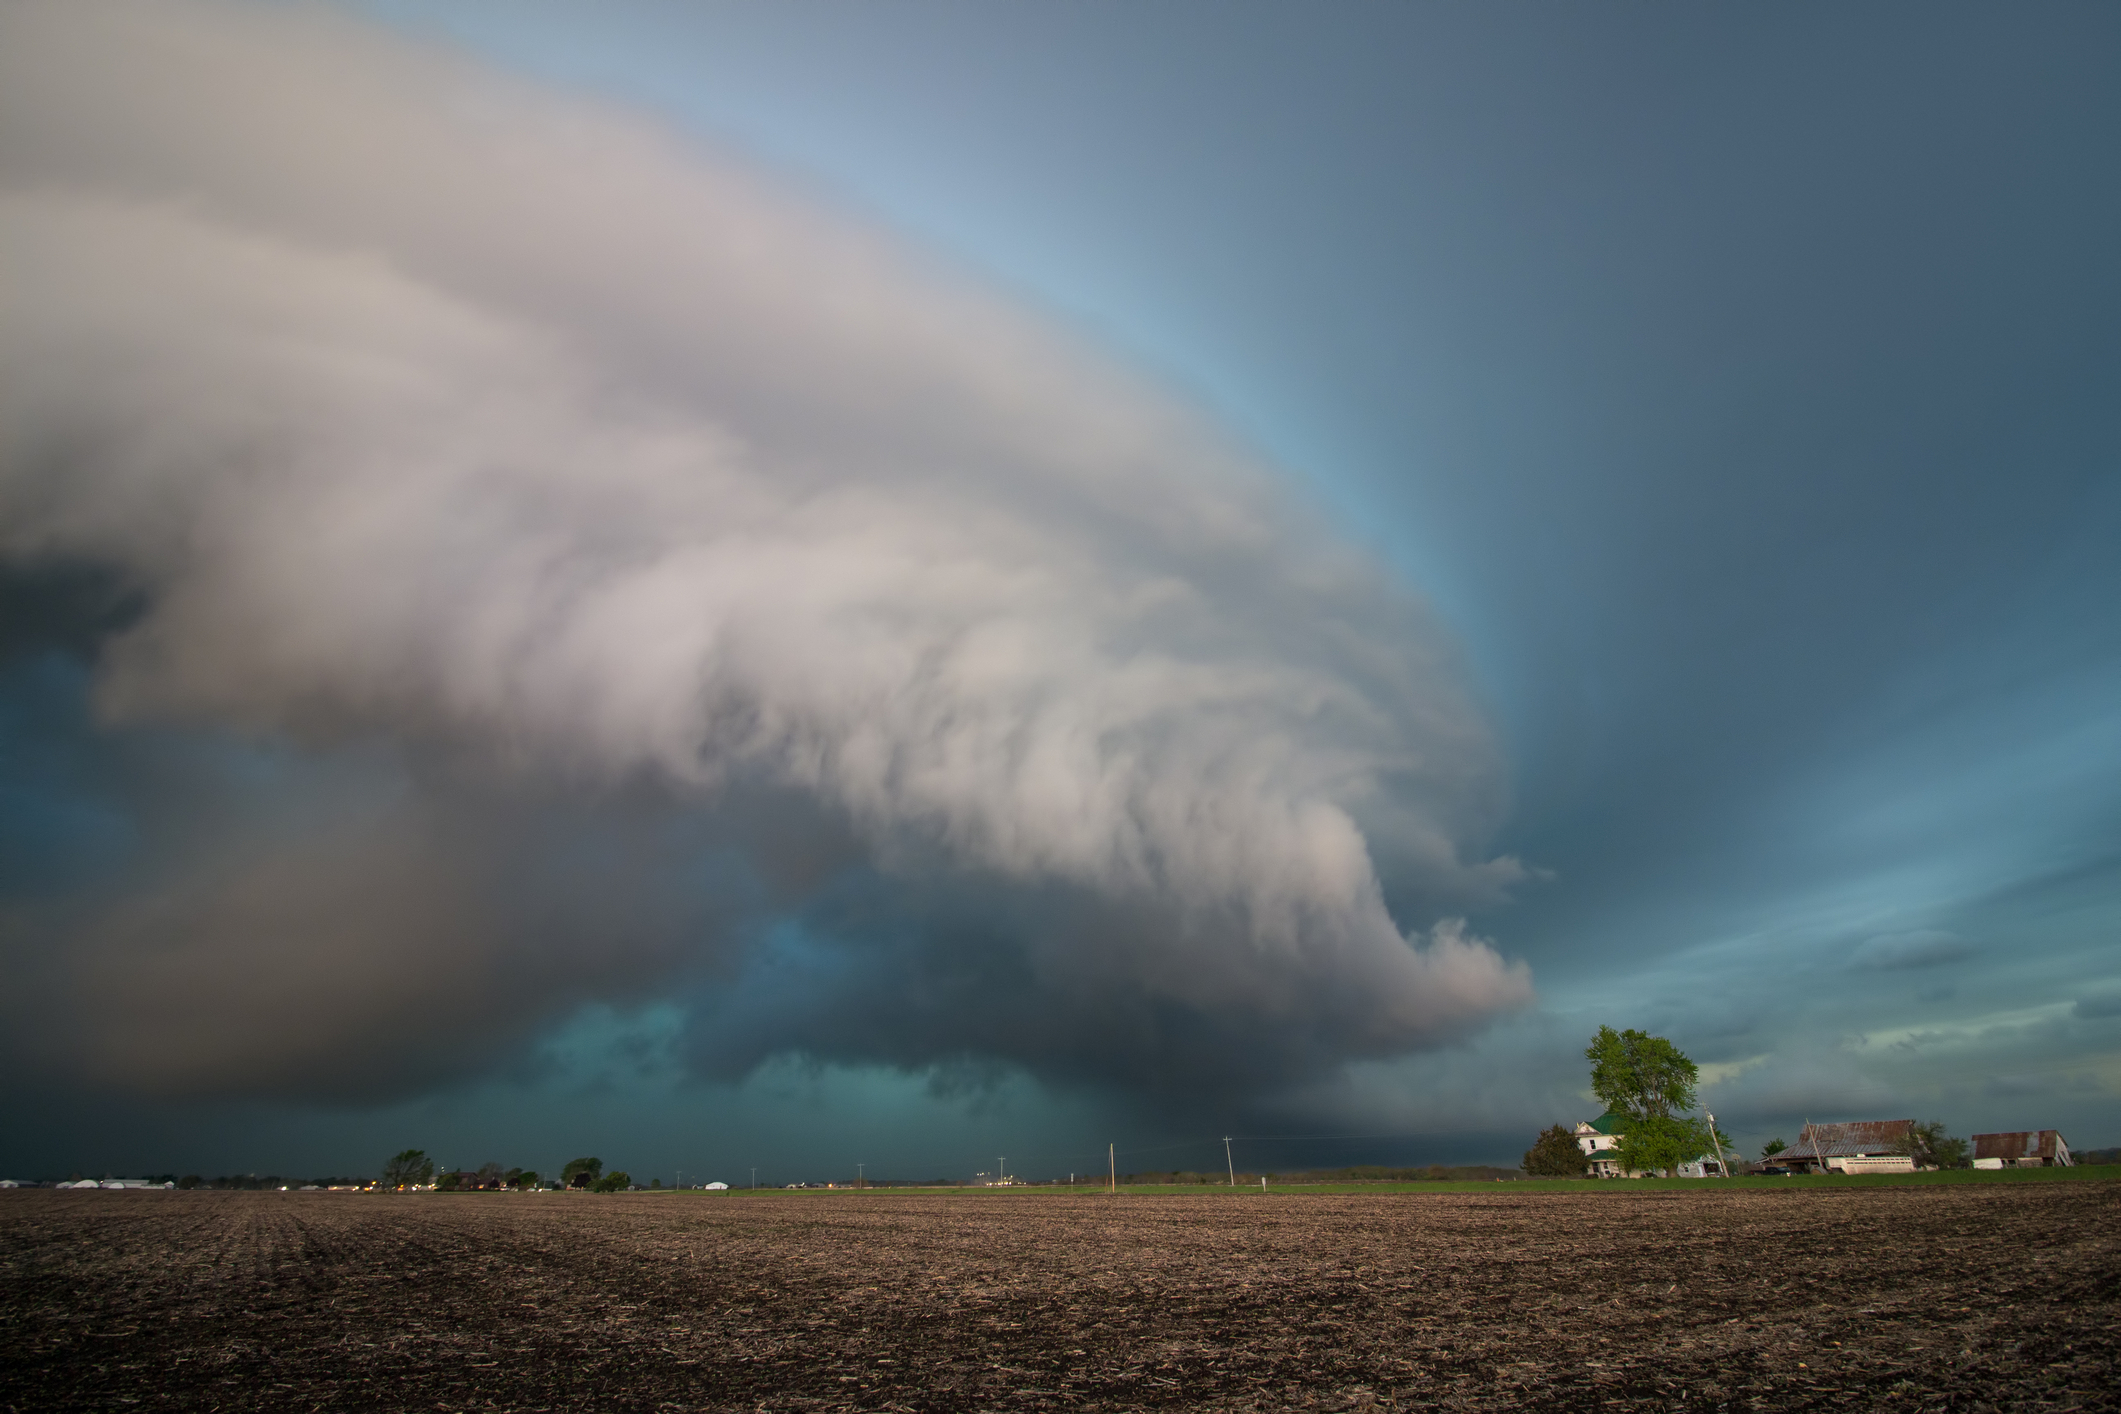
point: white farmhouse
(1597, 1137)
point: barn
(2022, 1149)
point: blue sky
(1734, 389)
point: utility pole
(1229, 1162)
(859, 1180)
(754, 1175)
(1112, 1158)
(1001, 1168)
(1719, 1146)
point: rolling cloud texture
(616, 574)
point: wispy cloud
(1718, 1073)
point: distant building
(1707, 1166)
(2022, 1149)
(717, 1187)
(1597, 1137)
(1858, 1146)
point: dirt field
(1972, 1297)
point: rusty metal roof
(1841, 1141)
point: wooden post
(1112, 1158)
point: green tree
(1556, 1154)
(1661, 1143)
(1649, 1080)
(614, 1182)
(581, 1173)
(1773, 1147)
(1929, 1146)
(408, 1168)
(1639, 1075)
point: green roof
(1611, 1122)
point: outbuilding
(2022, 1149)
(1857, 1146)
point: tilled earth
(2002, 1296)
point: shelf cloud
(621, 504)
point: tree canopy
(1556, 1154)
(1930, 1146)
(581, 1173)
(1662, 1144)
(408, 1168)
(1644, 1077)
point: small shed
(2022, 1149)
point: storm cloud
(662, 580)
(1900, 952)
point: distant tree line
(411, 1168)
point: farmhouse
(1858, 1146)
(1597, 1137)
(2022, 1149)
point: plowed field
(1899, 1298)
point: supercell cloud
(639, 581)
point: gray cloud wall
(586, 482)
